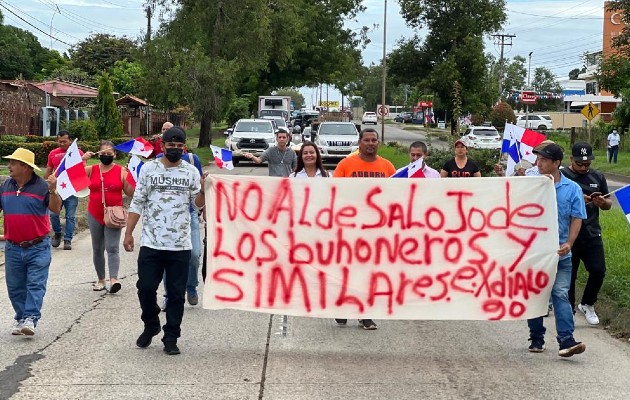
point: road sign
(382, 110)
(528, 97)
(590, 111)
(329, 104)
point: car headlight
(322, 142)
(235, 138)
(270, 140)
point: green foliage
(477, 119)
(126, 77)
(70, 74)
(100, 52)
(237, 109)
(500, 114)
(106, 114)
(21, 54)
(40, 150)
(615, 74)
(83, 130)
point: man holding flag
(71, 202)
(417, 167)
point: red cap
(460, 141)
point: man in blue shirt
(571, 212)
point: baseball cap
(582, 152)
(551, 151)
(543, 144)
(460, 142)
(174, 134)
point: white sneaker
(589, 313)
(17, 328)
(28, 327)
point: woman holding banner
(309, 163)
(460, 166)
(108, 181)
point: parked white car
(482, 137)
(539, 122)
(369, 117)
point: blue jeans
(612, 154)
(70, 204)
(193, 264)
(26, 276)
(562, 309)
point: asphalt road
(84, 348)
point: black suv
(404, 117)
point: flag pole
(616, 190)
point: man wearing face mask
(165, 191)
(193, 266)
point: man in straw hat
(25, 199)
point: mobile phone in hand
(596, 194)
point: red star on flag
(63, 185)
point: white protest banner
(442, 249)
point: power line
(40, 21)
(33, 26)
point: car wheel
(542, 128)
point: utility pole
(149, 12)
(384, 72)
(502, 41)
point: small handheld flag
(222, 157)
(413, 170)
(137, 146)
(71, 175)
(134, 166)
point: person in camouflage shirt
(165, 190)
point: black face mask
(106, 160)
(173, 154)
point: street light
(384, 73)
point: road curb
(617, 177)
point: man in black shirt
(588, 246)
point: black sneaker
(193, 298)
(570, 347)
(171, 348)
(67, 245)
(145, 338)
(56, 240)
(368, 324)
(537, 345)
(341, 321)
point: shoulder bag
(115, 217)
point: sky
(557, 32)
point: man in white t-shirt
(167, 187)
(613, 146)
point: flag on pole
(413, 170)
(623, 197)
(511, 133)
(71, 175)
(137, 146)
(529, 140)
(514, 157)
(222, 157)
(134, 166)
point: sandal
(97, 287)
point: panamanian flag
(413, 170)
(137, 146)
(222, 157)
(623, 197)
(71, 175)
(134, 166)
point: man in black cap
(167, 187)
(571, 212)
(588, 246)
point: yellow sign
(590, 111)
(329, 104)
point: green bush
(13, 138)
(84, 130)
(41, 150)
(500, 114)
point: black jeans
(591, 252)
(152, 264)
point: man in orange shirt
(366, 164)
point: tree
(296, 96)
(106, 114)
(453, 49)
(573, 74)
(100, 52)
(500, 114)
(126, 77)
(515, 74)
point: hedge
(41, 149)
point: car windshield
(484, 132)
(337, 129)
(262, 127)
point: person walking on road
(25, 200)
(588, 246)
(613, 146)
(166, 189)
(418, 150)
(571, 212)
(281, 159)
(70, 204)
(460, 166)
(108, 181)
(366, 164)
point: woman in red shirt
(109, 178)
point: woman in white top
(613, 146)
(309, 163)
